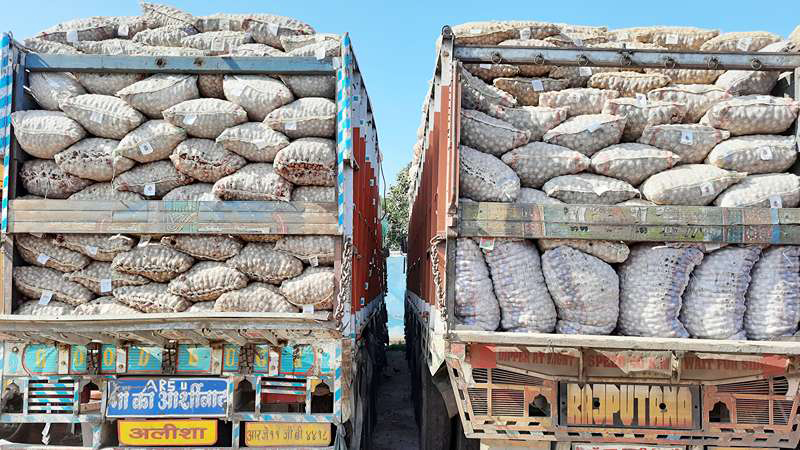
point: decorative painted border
(344, 136)
(6, 88)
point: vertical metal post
(6, 89)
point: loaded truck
(168, 367)
(566, 386)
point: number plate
(167, 432)
(263, 434)
(177, 397)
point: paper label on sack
(578, 42)
(290, 126)
(707, 188)
(672, 39)
(319, 52)
(217, 45)
(145, 148)
(475, 31)
(487, 243)
(624, 36)
(150, 189)
(775, 201)
(96, 117)
(525, 33)
(744, 43)
(91, 250)
(585, 71)
(641, 99)
(190, 119)
(123, 30)
(314, 261)
(537, 85)
(308, 309)
(224, 25)
(72, 36)
(592, 127)
(105, 285)
(765, 153)
(42, 259)
(687, 137)
(143, 241)
(45, 298)
(485, 66)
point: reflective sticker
(45, 297)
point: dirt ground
(395, 428)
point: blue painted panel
(78, 362)
(144, 359)
(297, 360)
(192, 358)
(230, 358)
(176, 397)
(261, 359)
(108, 358)
(40, 359)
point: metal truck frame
(313, 371)
(502, 390)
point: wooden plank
(8, 267)
(233, 337)
(149, 337)
(172, 228)
(169, 217)
(174, 206)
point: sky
(394, 41)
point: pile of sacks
(96, 274)
(659, 290)
(129, 136)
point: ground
(395, 428)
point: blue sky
(394, 41)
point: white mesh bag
(628, 84)
(639, 114)
(489, 135)
(254, 141)
(488, 72)
(536, 120)
(755, 154)
(205, 160)
(742, 41)
(158, 15)
(107, 83)
(256, 297)
(589, 189)
(38, 45)
(224, 22)
(114, 47)
(579, 101)
(262, 262)
(260, 50)
(632, 162)
(159, 92)
(205, 117)
(102, 115)
(305, 117)
(651, 284)
(475, 94)
(529, 195)
(773, 190)
(588, 133)
(753, 114)
(294, 42)
(211, 86)
(40, 282)
(485, 178)
(164, 36)
(103, 306)
(714, 301)
(259, 95)
(42, 134)
(315, 250)
(773, 298)
(269, 28)
(308, 162)
(44, 178)
(538, 162)
(527, 90)
(673, 38)
(322, 49)
(50, 88)
(93, 159)
(153, 179)
(100, 247)
(311, 85)
(516, 271)
(204, 247)
(217, 42)
(99, 278)
(104, 192)
(609, 251)
(196, 192)
(314, 194)
(156, 262)
(41, 251)
(692, 142)
(748, 82)
(199, 307)
(689, 76)
(492, 32)
(53, 308)
(84, 29)
(584, 289)
(152, 141)
(206, 281)
(151, 298)
(315, 286)
(475, 301)
(257, 181)
(697, 98)
(690, 184)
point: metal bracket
(169, 358)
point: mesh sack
(753, 114)
(528, 195)
(38, 45)
(572, 40)
(260, 50)
(320, 50)
(315, 286)
(42, 134)
(688, 76)
(222, 22)
(536, 120)
(259, 95)
(587, 134)
(609, 251)
(262, 262)
(640, 114)
(151, 298)
(516, 271)
(211, 86)
(748, 82)
(578, 77)
(311, 85)
(93, 159)
(692, 142)
(690, 184)
(652, 282)
(698, 98)
(526, 90)
(204, 247)
(589, 189)
(257, 181)
(206, 281)
(102, 83)
(159, 92)
(316, 194)
(102, 115)
(44, 178)
(170, 51)
(475, 301)
(538, 162)
(578, 100)
(673, 38)
(632, 162)
(151, 141)
(53, 308)
(32, 282)
(315, 250)
(113, 47)
(256, 297)
(200, 307)
(205, 117)
(99, 278)
(584, 289)
(158, 15)
(100, 247)
(308, 162)
(485, 178)
(50, 88)
(475, 94)
(305, 117)
(773, 298)
(205, 160)
(293, 42)
(195, 192)
(164, 36)
(156, 262)
(629, 83)
(489, 135)
(85, 29)
(488, 72)
(260, 237)
(41, 251)
(494, 32)
(755, 154)
(254, 141)
(774, 190)
(103, 306)
(104, 192)
(742, 41)
(153, 179)
(269, 29)
(714, 301)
